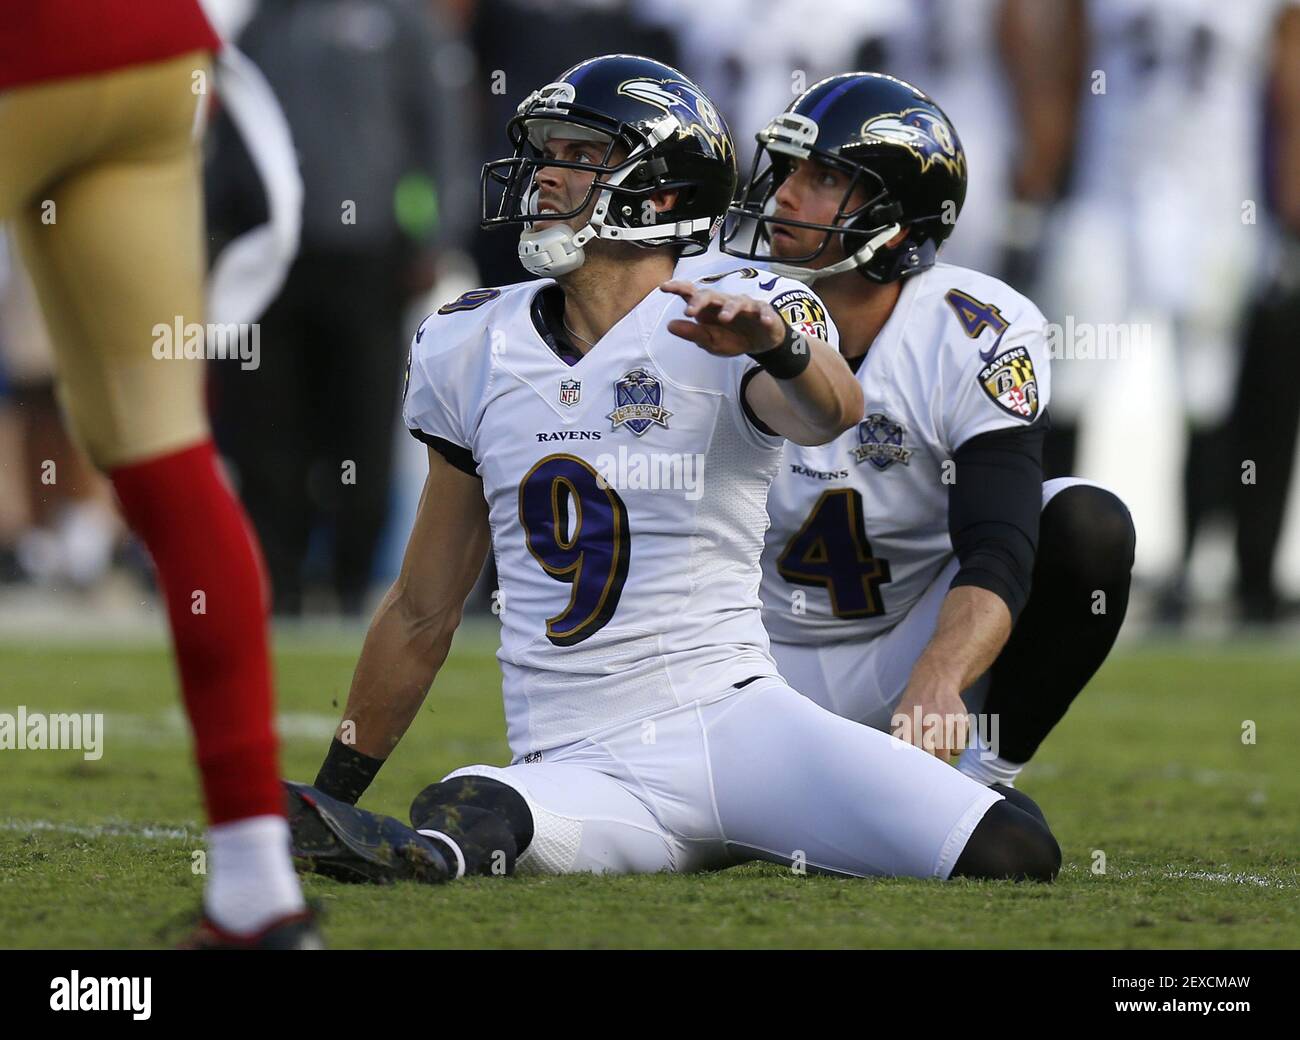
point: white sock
(250, 874)
(981, 765)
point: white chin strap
(553, 251)
(558, 249)
(808, 275)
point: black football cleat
(340, 841)
(295, 932)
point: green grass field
(1200, 831)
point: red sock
(210, 572)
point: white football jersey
(859, 527)
(627, 499)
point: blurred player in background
(1267, 408)
(752, 56)
(1166, 228)
(101, 109)
(1002, 70)
(57, 522)
(372, 96)
(919, 557)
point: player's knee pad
(1021, 801)
(478, 792)
(1009, 844)
(1086, 536)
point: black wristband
(346, 773)
(787, 360)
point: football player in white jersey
(606, 430)
(897, 569)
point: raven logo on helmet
(922, 133)
(687, 103)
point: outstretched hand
(727, 324)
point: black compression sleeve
(993, 511)
(346, 773)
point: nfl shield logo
(570, 391)
(638, 399)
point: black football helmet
(674, 138)
(892, 140)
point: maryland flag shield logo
(1011, 384)
(802, 311)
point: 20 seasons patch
(1010, 382)
(880, 442)
(639, 402)
(802, 311)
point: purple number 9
(577, 529)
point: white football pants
(761, 773)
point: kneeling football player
(919, 558)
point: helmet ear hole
(680, 198)
(889, 213)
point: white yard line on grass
(1229, 879)
(1171, 874)
(32, 623)
(104, 830)
(170, 726)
